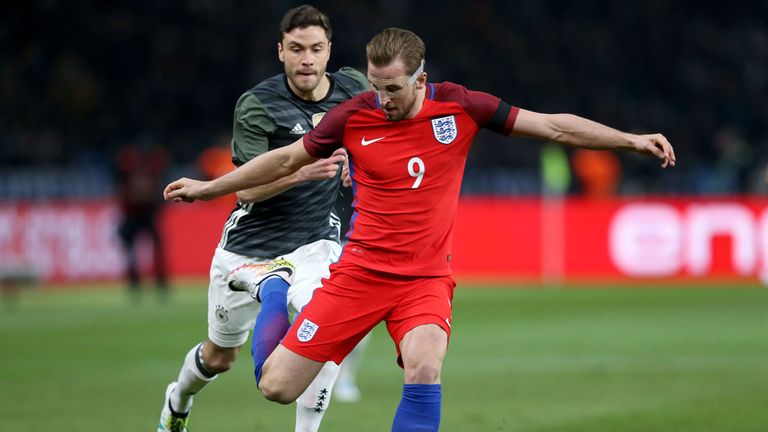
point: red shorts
(354, 300)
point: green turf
(520, 360)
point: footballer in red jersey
(406, 181)
(408, 141)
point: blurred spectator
(140, 183)
(216, 160)
(598, 172)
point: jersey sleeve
(328, 136)
(486, 110)
(251, 129)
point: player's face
(305, 53)
(397, 91)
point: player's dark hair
(305, 16)
(396, 43)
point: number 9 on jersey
(416, 169)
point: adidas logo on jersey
(298, 130)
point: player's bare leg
(423, 350)
(285, 375)
(270, 327)
(219, 359)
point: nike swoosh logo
(365, 142)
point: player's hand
(323, 169)
(346, 179)
(186, 190)
(656, 145)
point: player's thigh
(286, 375)
(311, 262)
(231, 314)
(426, 301)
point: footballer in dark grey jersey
(269, 116)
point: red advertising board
(60, 241)
(648, 239)
(495, 239)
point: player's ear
(280, 52)
(421, 81)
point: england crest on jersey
(307, 331)
(445, 129)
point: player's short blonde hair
(396, 43)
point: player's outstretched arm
(322, 169)
(580, 132)
(260, 170)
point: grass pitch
(575, 359)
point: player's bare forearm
(577, 131)
(580, 132)
(570, 130)
(321, 169)
(267, 191)
(261, 170)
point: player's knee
(220, 366)
(275, 393)
(220, 360)
(423, 372)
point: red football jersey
(406, 175)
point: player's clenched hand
(185, 189)
(656, 145)
(323, 169)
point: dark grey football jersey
(267, 117)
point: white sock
(311, 405)
(192, 378)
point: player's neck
(420, 95)
(316, 94)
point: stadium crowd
(81, 80)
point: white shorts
(231, 314)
